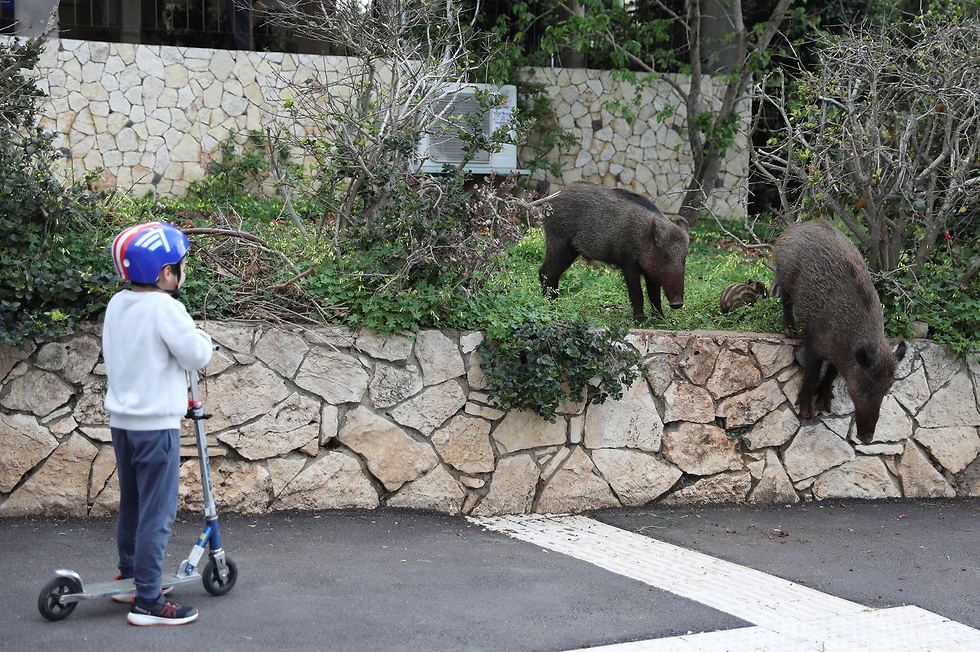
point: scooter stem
(196, 412)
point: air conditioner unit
(440, 147)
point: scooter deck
(97, 589)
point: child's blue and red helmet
(141, 251)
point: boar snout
(866, 418)
(674, 290)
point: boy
(148, 341)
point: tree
(710, 131)
(361, 123)
(884, 135)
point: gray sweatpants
(148, 469)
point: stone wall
(152, 117)
(651, 155)
(327, 418)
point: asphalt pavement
(403, 580)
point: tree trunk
(568, 57)
(700, 186)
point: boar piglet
(737, 295)
(825, 287)
(621, 228)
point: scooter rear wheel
(47, 601)
(212, 580)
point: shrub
(53, 263)
(538, 366)
(237, 172)
(935, 296)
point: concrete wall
(327, 418)
(153, 117)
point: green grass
(511, 294)
(599, 294)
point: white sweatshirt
(148, 340)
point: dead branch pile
(253, 280)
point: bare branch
(896, 130)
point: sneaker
(161, 612)
(127, 598)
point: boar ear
(681, 222)
(900, 350)
(864, 355)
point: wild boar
(737, 295)
(621, 228)
(825, 287)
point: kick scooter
(61, 595)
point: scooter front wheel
(212, 579)
(48, 601)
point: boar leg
(632, 277)
(653, 292)
(789, 323)
(556, 261)
(825, 390)
(811, 374)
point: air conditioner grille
(444, 145)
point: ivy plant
(536, 367)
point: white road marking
(895, 630)
(786, 615)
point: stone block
(862, 477)
(636, 477)
(430, 409)
(36, 391)
(59, 487)
(772, 357)
(392, 384)
(733, 373)
(385, 347)
(464, 444)
(437, 490)
(814, 450)
(775, 486)
(953, 447)
(630, 422)
(391, 454)
(242, 394)
(722, 488)
(72, 360)
(700, 449)
(336, 377)
(953, 405)
(333, 481)
(698, 361)
(23, 444)
(912, 391)
(523, 430)
(512, 487)
(748, 407)
(919, 478)
(775, 429)
(438, 356)
(290, 425)
(687, 402)
(576, 487)
(893, 423)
